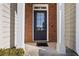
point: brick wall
(52, 22)
(28, 22)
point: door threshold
(42, 41)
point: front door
(40, 25)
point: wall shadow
(13, 9)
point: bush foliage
(12, 52)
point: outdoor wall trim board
(77, 28)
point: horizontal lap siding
(5, 25)
(70, 21)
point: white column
(20, 25)
(60, 29)
(77, 28)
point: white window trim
(40, 5)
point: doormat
(41, 44)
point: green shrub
(12, 52)
(2, 52)
(20, 52)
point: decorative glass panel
(40, 21)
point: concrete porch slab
(33, 50)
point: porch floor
(33, 50)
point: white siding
(4, 25)
(70, 21)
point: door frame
(39, 5)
